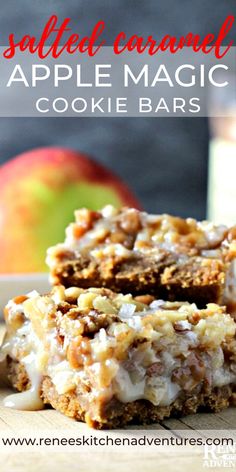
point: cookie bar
(131, 251)
(110, 359)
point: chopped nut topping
(20, 299)
(155, 369)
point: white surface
(20, 284)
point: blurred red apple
(39, 190)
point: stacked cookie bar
(137, 325)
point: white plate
(12, 285)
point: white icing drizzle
(30, 399)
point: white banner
(126, 85)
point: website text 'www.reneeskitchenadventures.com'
(106, 441)
(215, 448)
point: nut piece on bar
(110, 359)
(133, 252)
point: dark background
(164, 160)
